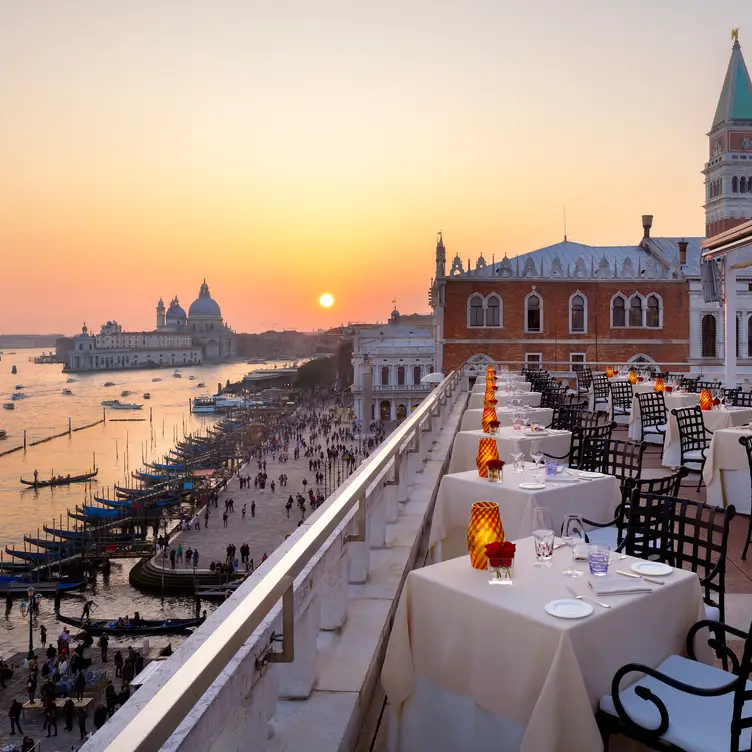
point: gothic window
(734, 184)
(742, 185)
(618, 311)
(749, 185)
(653, 312)
(533, 313)
(384, 375)
(416, 375)
(493, 310)
(475, 311)
(577, 314)
(635, 311)
(401, 376)
(708, 336)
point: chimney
(647, 223)
(683, 252)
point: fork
(587, 598)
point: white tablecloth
(594, 499)
(519, 383)
(726, 471)
(471, 420)
(673, 401)
(465, 447)
(715, 420)
(527, 398)
(474, 666)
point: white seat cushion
(606, 536)
(694, 455)
(712, 612)
(696, 724)
(655, 429)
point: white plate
(535, 433)
(590, 476)
(651, 568)
(533, 486)
(568, 608)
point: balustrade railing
(262, 643)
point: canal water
(117, 446)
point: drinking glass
(543, 535)
(536, 453)
(728, 402)
(515, 453)
(574, 535)
(598, 556)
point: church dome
(175, 312)
(204, 305)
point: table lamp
(484, 527)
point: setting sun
(326, 300)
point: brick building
(571, 303)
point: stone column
(729, 309)
(365, 410)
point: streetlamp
(28, 607)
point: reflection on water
(117, 447)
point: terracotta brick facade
(601, 343)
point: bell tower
(728, 171)
(160, 314)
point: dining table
(503, 397)
(519, 384)
(673, 401)
(521, 667)
(505, 415)
(465, 446)
(593, 495)
(727, 471)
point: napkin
(562, 478)
(612, 584)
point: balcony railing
(401, 387)
(238, 645)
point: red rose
(501, 550)
(495, 464)
(494, 402)
(494, 424)
(668, 389)
(640, 379)
(716, 402)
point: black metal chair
(746, 442)
(567, 416)
(580, 434)
(731, 393)
(708, 385)
(693, 437)
(553, 394)
(612, 532)
(601, 391)
(743, 399)
(622, 459)
(653, 417)
(689, 385)
(685, 534)
(662, 709)
(622, 395)
(584, 380)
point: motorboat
(71, 380)
(200, 385)
(109, 383)
(9, 406)
(126, 406)
(205, 405)
(109, 403)
(18, 395)
(67, 392)
(191, 378)
(177, 375)
(19, 386)
(125, 393)
(156, 378)
(3, 433)
(146, 395)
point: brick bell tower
(728, 171)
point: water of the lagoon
(44, 412)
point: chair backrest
(584, 433)
(553, 394)
(683, 533)
(652, 408)
(708, 385)
(591, 418)
(622, 394)
(689, 385)
(743, 399)
(600, 386)
(566, 417)
(692, 431)
(622, 459)
(540, 383)
(584, 379)
(731, 393)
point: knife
(641, 577)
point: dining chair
(552, 395)
(653, 417)
(622, 395)
(689, 385)
(601, 391)
(708, 385)
(730, 394)
(584, 380)
(580, 434)
(746, 442)
(567, 416)
(612, 532)
(743, 399)
(683, 703)
(622, 459)
(694, 437)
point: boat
(67, 392)
(109, 403)
(93, 534)
(146, 395)
(19, 553)
(191, 378)
(146, 626)
(204, 405)
(9, 406)
(61, 480)
(71, 380)
(126, 406)
(256, 361)
(54, 544)
(89, 511)
(125, 393)
(163, 466)
(177, 375)
(156, 378)
(3, 433)
(21, 587)
(109, 383)
(19, 386)
(200, 385)
(18, 396)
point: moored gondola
(90, 535)
(61, 480)
(145, 626)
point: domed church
(203, 322)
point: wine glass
(573, 534)
(516, 455)
(543, 536)
(536, 453)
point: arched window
(734, 184)
(475, 311)
(708, 336)
(401, 376)
(742, 185)
(618, 311)
(533, 313)
(653, 312)
(749, 185)
(416, 375)
(493, 310)
(385, 375)
(635, 311)
(577, 318)
(749, 337)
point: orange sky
(286, 149)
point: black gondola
(61, 481)
(90, 535)
(146, 626)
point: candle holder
(610, 372)
(487, 450)
(496, 471)
(484, 527)
(658, 385)
(489, 415)
(632, 377)
(706, 400)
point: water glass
(598, 556)
(543, 536)
(573, 533)
(552, 468)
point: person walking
(50, 715)
(82, 715)
(224, 518)
(104, 642)
(195, 558)
(173, 554)
(15, 717)
(253, 508)
(69, 708)
(180, 552)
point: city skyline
(146, 148)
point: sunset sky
(288, 148)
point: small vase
(502, 571)
(495, 476)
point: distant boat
(126, 406)
(61, 480)
(19, 386)
(177, 375)
(191, 378)
(109, 403)
(14, 369)
(156, 378)
(115, 627)
(147, 395)
(18, 396)
(9, 406)
(67, 392)
(125, 393)
(3, 433)
(200, 384)
(204, 405)
(71, 380)
(109, 383)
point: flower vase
(501, 571)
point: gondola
(163, 466)
(146, 627)
(34, 556)
(61, 481)
(51, 544)
(20, 587)
(91, 511)
(89, 535)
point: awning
(203, 473)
